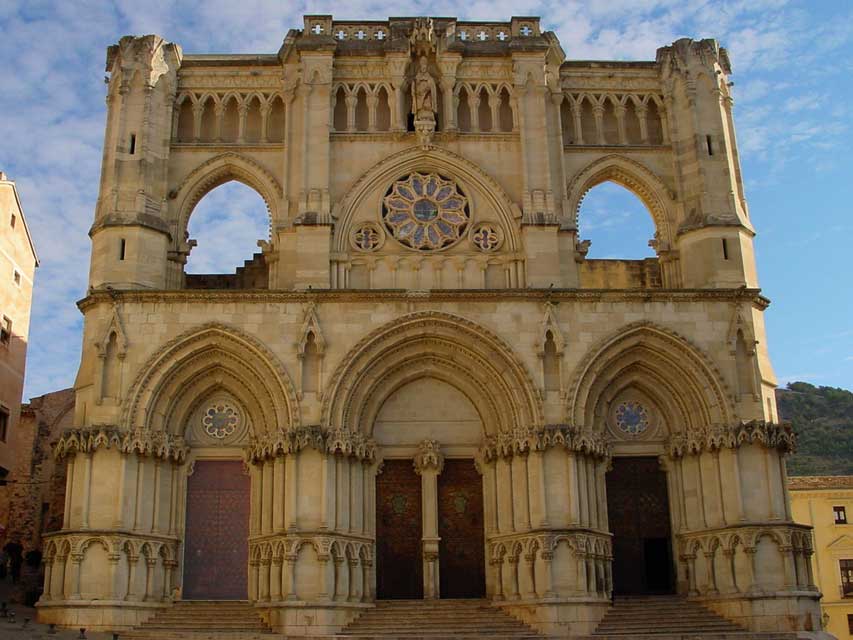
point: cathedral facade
(420, 386)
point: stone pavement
(23, 626)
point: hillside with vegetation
(822, 417)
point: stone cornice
(752, 296)
(767, 434)
(523, 441)
(334, 441)
(157, 444)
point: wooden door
(399, 564)
(462, 570)
(216, 544)
(638, 511)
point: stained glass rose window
(632, 418)
(425, 212)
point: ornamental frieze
(767, 434)
(157, 444)
(526, 439)
(333, 441)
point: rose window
(367, 237)
(220, 420)
(487, 238)
(425, 212)
(632, 418)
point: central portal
(638, 512)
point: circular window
(367, 237)
(220, 420)
(425, 212)
(632, 418)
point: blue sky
(793, 64)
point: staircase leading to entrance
(670, 618)
(204, 620)
(437, 619)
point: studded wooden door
(638, 512)
(399, 565)
(462, 571)
(216, 547)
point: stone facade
(826, 503)
(424, 297)
(18, 263)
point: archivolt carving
(635, 177)
(219, 170)
(425, 160)
(207, 356)
(684, 378)
(431, 343)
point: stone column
(428, 464)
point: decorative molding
(144, 442)
(748, 296)
(767, 434)
(524, 440)
(333, 441)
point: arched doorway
(429, 506)
(431, 389)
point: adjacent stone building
(826, 503)
(18, 262)
(420, 387)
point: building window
(846, 577)
(4, 423)
(17, 277)
(850, 623)
(14, 220)
(840, 515)
(5, 331)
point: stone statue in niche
(424, 101)
(423, 92)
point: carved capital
(429, 457)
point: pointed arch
(447, 347)
(448, 163)
(209, 357)
(664, 365)
(635, 177)
(215, 172)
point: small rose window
(632, 418)
(425, 212)
(220, 420)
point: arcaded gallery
(421, 386)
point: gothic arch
(196, 363)
(215, 172)
(442, 161)
(439, 345)
(673, 371)
(635, 177)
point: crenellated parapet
(523, 440)
(770, 435)
(333, 441)
(144, 442)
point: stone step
(660, 616)
(435, 619)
